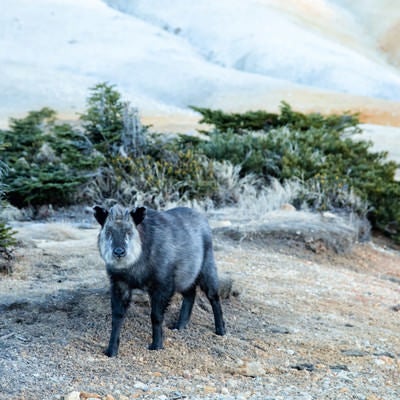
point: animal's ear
(100, 214)
(138, 215)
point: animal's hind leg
(208, 281)
(186, 308)
(213, 297)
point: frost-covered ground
(307, 323)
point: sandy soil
(302, 325)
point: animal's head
(119, 240)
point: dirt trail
(305, 325)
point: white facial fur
(119, 232)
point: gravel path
(303, 325)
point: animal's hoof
(220, 331)
(155, 346)
(176, 327)
(110, 353)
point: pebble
(339, 367)
(304, 367)
(141, 386)
(73, 396)
(209, 389)
(224, 390)
(187, 374)
(279, 330)
(89, 396)
(354, 353)
(251, 368)
(288, 207)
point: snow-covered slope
(232, 54)
(254, 37)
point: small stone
(354, 353)
(141, 386)
(243, 396)
(186, 374)
(221, 224)
(251, 368)
(224, 391)
(329, 215)
(304, 367)
(288, 207)
(209, 389)
(89, 396)
(379, 362)
(73, 396)
(279, 330)
(339, 367)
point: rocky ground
(304, 322)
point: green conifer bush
(7, 239)
(47, 161)
(322, 152)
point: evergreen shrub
(47, 161)
(7, 238)
(339, 170)
(136, 165)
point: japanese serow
(163, 253)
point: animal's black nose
(119, 252)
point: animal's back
(177, 240)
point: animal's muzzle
(119, 252)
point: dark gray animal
(163, 253)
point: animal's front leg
(120, 300)
(159, 303)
